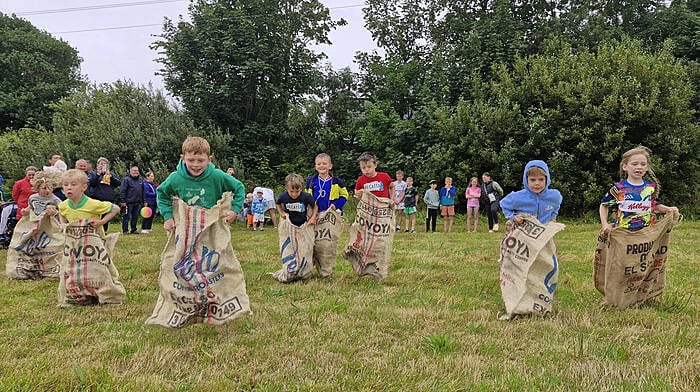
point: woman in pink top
(473, 193)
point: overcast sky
(113, 39)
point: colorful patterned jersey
(634, 204)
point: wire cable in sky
(96, 7)
(137, 3)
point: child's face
(260, 195)
(323, 166)
(448, 181)
(636, 167)
(536, 183)
(44, 191)
(409, 181)
(249, 198)
(368, 168)
(399, 176)
(293, 192)
(475, 182)
(196, 163)
(150, 177)
(433, 186)
(73, 189)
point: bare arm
(603, 212)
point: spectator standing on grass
(103, 184)
(473, 194)
(131, 196)
(22, 189)
(269, 196)
(447, 204)
(399, 194)
(491, 193)
(149, 200)
(432, 203)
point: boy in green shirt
(198, 182)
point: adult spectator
(103, 184)
(23, 189)
(131, 196)
(56, 163)
(269, 197)
(491, 193)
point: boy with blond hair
(197, 182)
(78, 206)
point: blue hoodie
(545, 205)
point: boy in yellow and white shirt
(78, 206)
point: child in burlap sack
(529, 267)
(330, 195)
(88, 275)
(636, 271)
(201, 281)
(371, 234)
(298, 211)
(37, 244)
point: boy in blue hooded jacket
(536, 199)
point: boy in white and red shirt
(379, 184)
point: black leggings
(492, 213)
(431, 218)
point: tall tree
(239, 64)
(37, 69)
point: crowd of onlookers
(132, 192)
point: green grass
(431, 326)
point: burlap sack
(629, 267)
(371, 236)
(201, 280)
(296, 249)
(529, 269)
(88, 275)
(327, 233)
(36, 248)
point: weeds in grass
(441, 344)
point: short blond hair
(49, 178)
(196, 145)
(75, 174)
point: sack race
(327, 233)
(529, 268)
(88, 275)
(629, 267)
(296, 249)
(36, 248)
(371, 236)
(201, 280)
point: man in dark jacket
(131, 197)
(103, 184)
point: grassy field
(431, 326)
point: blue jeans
(132, 216)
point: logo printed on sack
(327, 218)
(323, 234)
(375, 228)
(531, 229)
(374, 211)
(518, 249)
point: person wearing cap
(432, 201)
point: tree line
(461, 87)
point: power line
(132, 4)
(96, 7)
(128, 4)
(110, 28)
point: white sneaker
(495, 227)
(145, 231)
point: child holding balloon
(149, 202)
